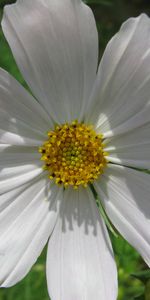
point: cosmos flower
(81, 130)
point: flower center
(74, 154)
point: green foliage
(140, 298)
(33, 287)
(144, 276)
(99, 2)
(5, 2)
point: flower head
(74, 155)
(81, 128)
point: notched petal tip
(51, 38)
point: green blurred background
(109, 16)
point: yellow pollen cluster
(74, 154)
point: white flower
(55, 45)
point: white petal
(22, 119)
(26, 222)
(18, 165)
(123, 83)
(55, 44)
(80, 262)
(131, 149)
(18, 177)
(11, 156)
(125, 195)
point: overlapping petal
(55, 44)
(17, 100)
(28, 215)
(11, 156)
(22, 119)
(131, 149)
(125, 194)
(18, 165)
(121, 94)
(80, 262)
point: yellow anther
(74, 154)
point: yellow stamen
(74, 154)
